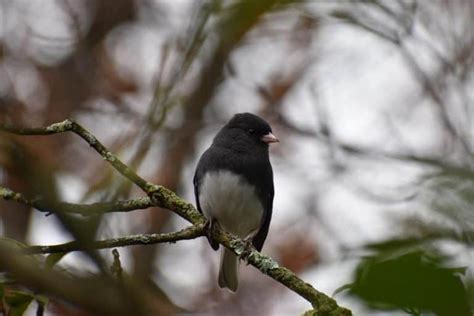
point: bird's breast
(232, 201)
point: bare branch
(83, 209)
(71, 126)
(98, 295)
(433, 162)
(165, 198)
(9, 195)
(190, 232)
(322, 304)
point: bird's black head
(246, 128)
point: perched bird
(233, 186)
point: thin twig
(71, 126)
(83, 209)
(190, 232)
(116, 267)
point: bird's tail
(228, 273)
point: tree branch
(190, 232)
(99, 295)
(322, 304)
(71, 126)
(165, 198)
(9, 195)
(83, 209)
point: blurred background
(372, 102)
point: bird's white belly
(232, 201)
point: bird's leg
(248, 248)
(210, 226)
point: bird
(233, 187)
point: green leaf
(341, 289)
(52, 259)
(415, 280)
(18, 302)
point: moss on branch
(323, 305)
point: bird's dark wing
(201, 170)
(196, 191)
(267, 198)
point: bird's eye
(251, 131)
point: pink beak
(269, 138)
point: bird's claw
(209, 227)
(247, 249)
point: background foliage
(372, 102)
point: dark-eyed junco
(233, 185)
